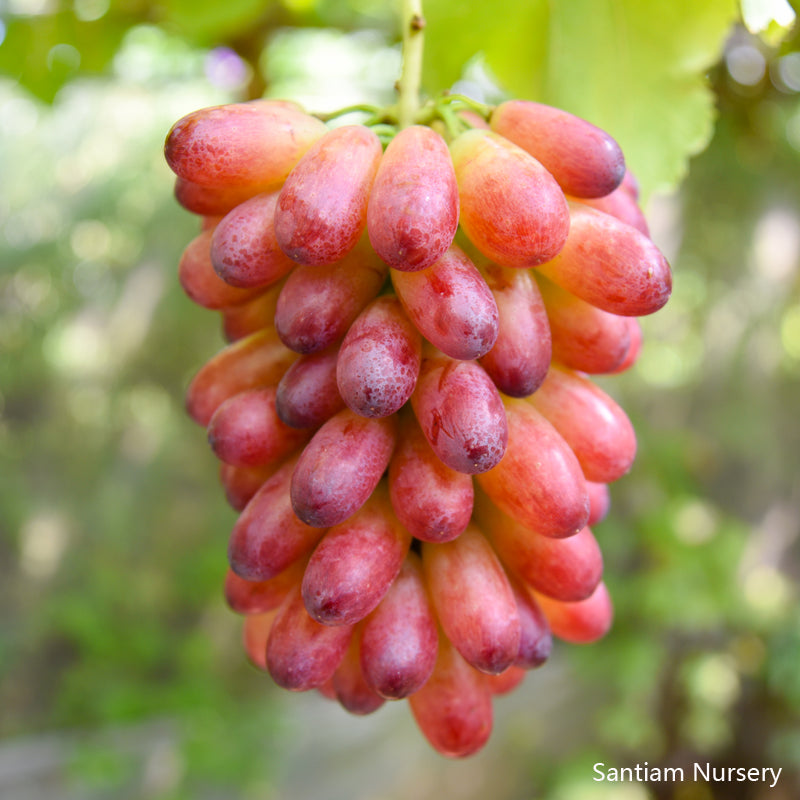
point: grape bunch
(404, 413)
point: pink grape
(610, 265)
(303, 654)
(341, 466)
(461, 414)
(212, 201)
(454, 708)
(584, 159)
(432, 500)
(247, 432)
(318, 304)
(255, 632)
(539, 482)
(253, 315)
(322, 207)
(267, 537)
(379, 359)
(536, 640)
(634, 348)
(599, 502)
(473, 600)
(512, 209)
(307, 394)
(256, 597)
(255, 143)
(582, 622)
(507, 681)
(412, 215)
(622, 205)
(520, 357)
(349, 686)
(591, 422)
(241, 483)
(244, 249)
(450, 304)
(399, 639)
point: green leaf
(634, 67)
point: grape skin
(307, 395)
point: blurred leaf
(635, 68)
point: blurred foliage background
(121, 672)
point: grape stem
(411, 75)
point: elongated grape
(240, 143)
(610, 265)
(303, 654)
(246, 431)
(399, 639)
(201, 283)
(255, 632)
(241, 483)
(512, 209)
(506, 681)
(432, 500)
(583, 158)
(567, 569)
(450, 304)
(379, 360)
(461, 414)
(599, 502)
(350, 688)
(253, 315)
(539, 482)
(519, 359)
(354, 565)
(473, 600)
(212, 201)
(591, 422)
(341, 466)
(267, 537)
(258, 359)
(318, 304)
(535, 641)
(634, 348)
(412, 213)
(622, 205)
(584, 337)
(454, 708)
(322, 207)
(256, 597)
(582, 622)
(244, 250)
(307, 394)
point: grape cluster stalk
(405, 415)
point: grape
(241, 483)
(519, 359)
(399, 639)
(267, 537)
(255, 633)
(582, 622)
(432, 500)
(256, 597)
(506, 681)
(610, 265)
(454, 708)
(622, 205)
(353, 566)
(599, 502)
(512, 209)
(379, 359)
(539, 482)
(302, 653)
(584, 159)
(535, 641)
(593, 425)
(318, 304)
(253, 315)
(201, 283)
(307, 394)
(584, 337)
(635, 347)
(238, 144)
(473, 600)
(341, 466)
(322, 207)
(256, 360)
(450, 304)
(412, 213)
(461, 414)
(567, 569)
(349, 685)
(244, 250)
(212, 201)
(246, 431)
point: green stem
(411, 76)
